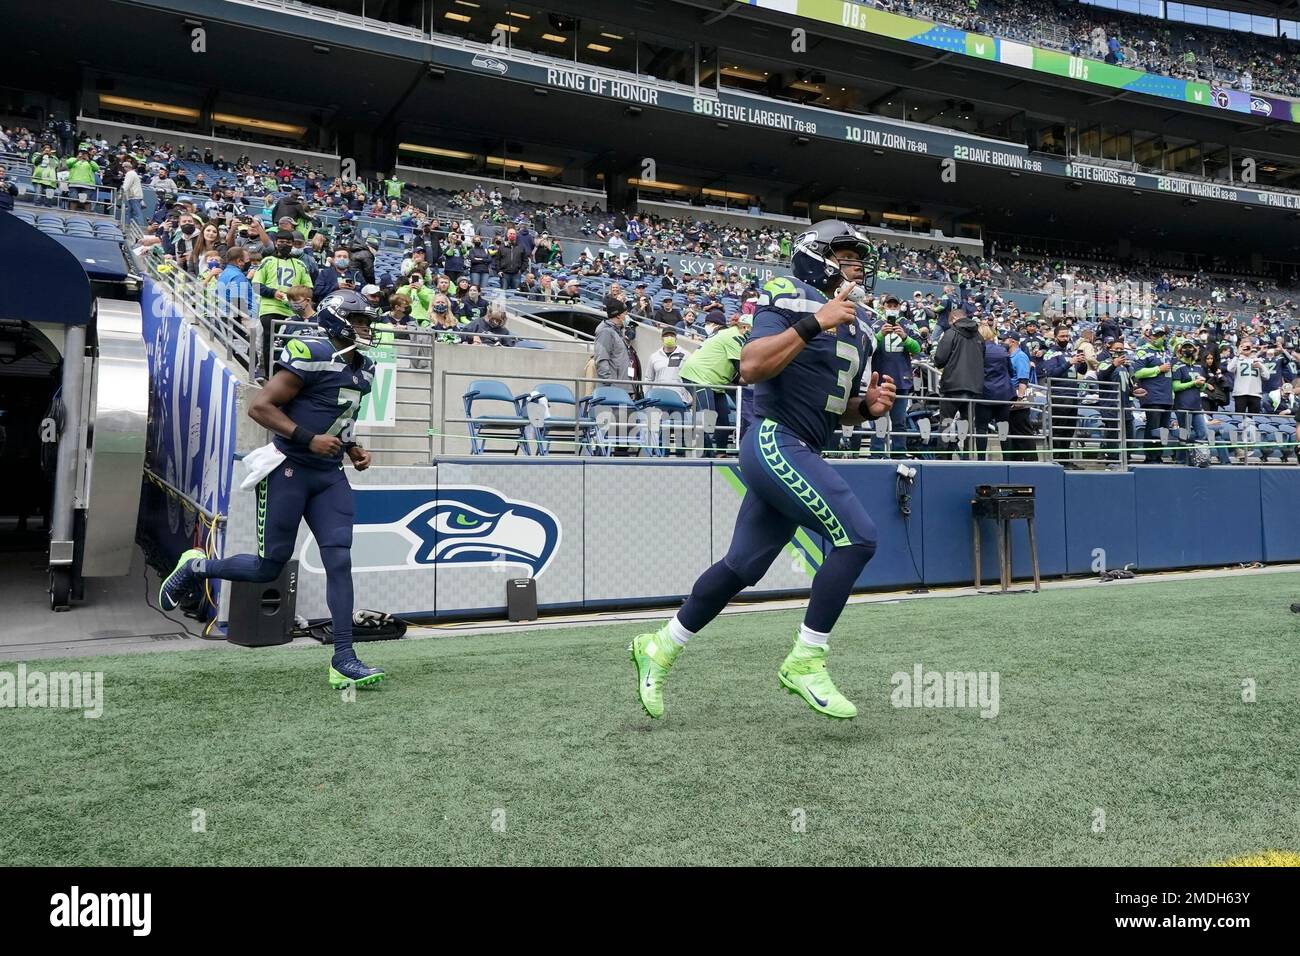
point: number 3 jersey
(332, 387)
(817, 387)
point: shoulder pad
(780, 286)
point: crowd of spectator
(1231, 59)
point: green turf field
(1126, 699)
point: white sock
(811, 638)
(678, 633)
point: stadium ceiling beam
(933, 61)
(1097, 100)
(725, 12)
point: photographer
(893, 357)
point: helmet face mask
(821, 254)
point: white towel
(260, 462)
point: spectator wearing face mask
(480, 263)
(491, 329)
(274, 277)
(447, 326)
(304, 312)
(893, 357)
(511, 261)
(1153, 373)
(340, 274)
(181, 241)
(665, 366)
(1188, 383)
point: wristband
(301, 436)
(864, 409)
(808, 328)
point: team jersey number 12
(838, 401)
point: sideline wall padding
(1197, 517)
(894, 565)
(1099, 513)
(661, 517)
(1049, 520)
(443, 540)
(945, 498)
(1279, 501)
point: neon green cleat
(181, 583)
(353, 672)
(803, 672)
(653, 654)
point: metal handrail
(630, 385)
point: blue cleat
(353, 672)
(181, 583)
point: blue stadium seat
(619, 423)
(676, 412)
(559, 398)
(504, 423)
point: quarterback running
(311, 405)
(805, 359)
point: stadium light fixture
(458, 17)
(317, 48)
(599, 47)
(611, 36)
(554, 39)
(507, 27)
(434, 151)
(518, 16)
(252, 122)
(802, 140)
(467, 3)
(148, 107)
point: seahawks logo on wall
(460, 526)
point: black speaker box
(261, 615)
(521, 599)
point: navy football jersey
(331, 393)
(818, 386)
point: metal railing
(228, 324)
(538, 418)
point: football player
(805, 359)
(310, 404)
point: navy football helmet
(810, 256)
(336, 313)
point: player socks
(338, 595)
(810, 638)
(712, 592)
(678, 633)
(833, 583)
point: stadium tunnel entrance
(30, 371)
